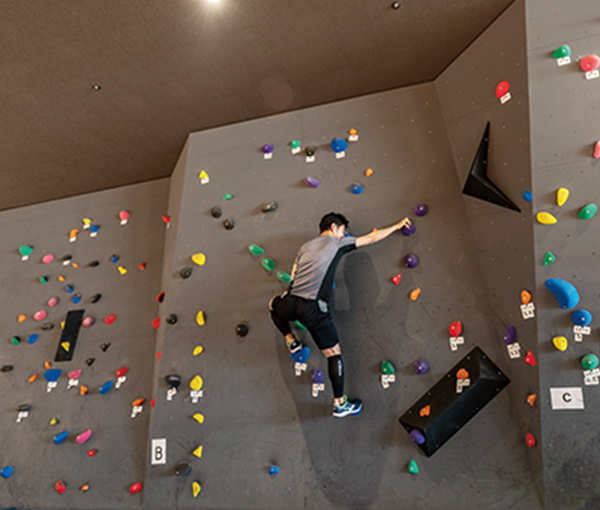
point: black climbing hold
(96, 298)
(269, 206)
(395, 5)
(171, 319)
(6, 368)
(216, 212)
(94, 263)
(47, 326)
(24, 407)
(242, 329)
(173, 380)
(186, 272)
(105, 347)
(67, 257)
(90, 361)
(310, 150)
(229, 224)
(183, 469)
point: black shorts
(319, 324)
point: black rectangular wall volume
(450, 409)
(69, 334)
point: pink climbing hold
(124, 216)
(135, 488)
(502, 88)
(109, 319)
(88, 321)
(530, 359)
(40, 315)
(597, 150)
(74, 374)
(52, 302)
(589, 63)
(84, 436)
(46, 259)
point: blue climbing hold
(356, 189)
(59, 438)
(52, 375)
(7, 471)
(76, 298)
(338, 144)
(273, 470)
(317, 376)
(581, 318)
(69, 289)
(106, 387)
(94, 228)
(564, 292)
(31, 339)
(528, 196)
(301, 356)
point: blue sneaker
(348, 407)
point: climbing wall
(37, 461)
(563, 119)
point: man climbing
(307, 297)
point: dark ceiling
(169, 67)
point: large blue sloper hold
(564, 292)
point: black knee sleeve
(336, 374)
(282, 324)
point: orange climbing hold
(83, 390)
(425, 411)
(61, 278)
(32, 378)
(531, 399)
(138, 402)
(47, 365)
(525, 297)
(415, 294)
(369, 172)
(462, 374)
(21, 318)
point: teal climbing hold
(255, 249)
(413, 469)
(564, 292)
(299, 325)
(268, 264)
(387, 368)
(284, 277)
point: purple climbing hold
(421, 366)
(420, 210)
(409, 230)
(510, 335)
(311, 182)
(417, 436)
(317, 376)
(267, 148)
(411, 260)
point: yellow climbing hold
(62, 325)
(87, 222)
(196, 488)
(53, 421)
(66, 346)
(200, 318)
(198, 350)
(561, 343)
(198, 451)
(122, 270)
(545, 218)
(196, 383)
(561, 196)
(203, 176)
(199, 417)
(199, 258)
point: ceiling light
(213, 1)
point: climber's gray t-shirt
(316, 262)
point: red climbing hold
(109, 319)
(135, 488)
(161, 297)
(530, 440)
(152, 402)
(156, 322)
(597, 150)
(60, 487)
(122, 371)
(530, 359)
(92, 452)
(159, 355)
(590, 63)
(167, 220)
(455, 328)
(396, 279)
(502, 88)
(142, 266)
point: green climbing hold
(295, 144)
(15, 340)
(387, 368)
(413, 469)
(43, 279)
(588, 211)
(25, 250)
(299, 325)
(255, 249)
(589, 362)
(268, 264)
(549, 258)
(284, 277)
(562, 52)
(227, 196)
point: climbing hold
(138, 402)
(560, 342)
(32, 378)
(587, 212)
(96, 298)
(527, 196)
(84, 488)
(502, 89)
(229, 224)
(356, 189)
(462, 374)
(420, 210)
(105, 347)
(597, 150)
(122, 270)
(311, 182)
(198, 451)
(43, 279)
(525, 297)
(411, 260)
(256, 250)
(530, 359)
(47, 326)
(301, 356)
(284, 277)
(88, 321)
(52, 374)
(47, 365)
(109, 319)
(122, 372)
(21, 318)
(317, 376)
(589, 362)
(581, 318)
(295, 144)
(417, 436)
(84, 436)
(172, 319)
(455, 329)
(24, 408)
(242, 329)
(52, 302)
(425, 411)
(200, 319)
(227, 196)
(413, 469)
(387, 368)
(204, 178)
(46, 259)
(90, 361)
(83, 389)
(40, 315)
(196, 383)
(531, 399)
(548, 258)
(142, 266)
(74, 374)
(299, 325)
(199, 259)
(94, 230)
(160, 297)
(59, 438)
(216, 212)
(268, 264)
(185, 272)
(338, 145)
(7, 471)
(414, 294)
(530, 440)
(269, 207)
(421, 366)
(368, 172)
(562, 51)
(60, 487)
(589, 63)
(173, 380)
(73, 235)
(353, 131)
(198, 417)
(310, 150)
(564, 292)
(135, 488)
(167, 220)
(124, 216)
(25, 251)
(76, 298)
(198, 350)
(396, 279)
(183, 469)
(92, 452)
(273, 470)
(6, 368)
(105, 388)
(196, 488)
(15, 340)
(267, 148)
(31, 339)
(510, 335)
(562, 194)
(545, 218)
(409, 229)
